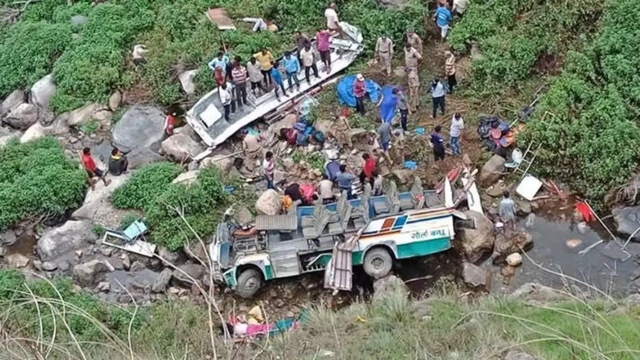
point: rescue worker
(384, 53)
(450, 70)
(415, 41)
(411, 56)
(414, 87)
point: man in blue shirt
(443, 18)
(221, 60)
(291, 67)
(276, 77)
(438, 143)
(344, 180)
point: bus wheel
(249, 282)
(378, 263)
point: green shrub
(28, 52)
(36, 178)
(145, 185)
(587, 122)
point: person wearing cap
(411, 56)
(450, 70)
(384, 53)
(359, 90)
(413, 80)
(415, 41)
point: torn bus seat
(310, 220)
(360, 213)
(416, 200)
(391, 204)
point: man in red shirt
(368, 169)
(91, 168)
(359, 89)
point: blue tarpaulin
(389, 104)
(345, 90)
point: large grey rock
(92, 272)
(186, 178)
(518, 355)
(195, 251)
(34, 132)
(71, 236)
(193, 270)
(82, 115)
(221, 161)
(161, 282)
(491, 171)
(243, 215)
(537, 292)
(6, 139)
(140, 127)
(181, 147)
(479, 240)
(388, 286)
(269, 203)
(42, 92)
(187, 81)
(8, 237)
(17, 260)
(509, 243)
(473, 275)
(12, 101)
(627, 221)
(23, 116)
(59, 126)
(96, 204)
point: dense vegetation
(37, 179)
(92, 60)
(391, 327)
(587, 121)
(165, 204)
(521, 38)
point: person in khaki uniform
(415, 41)
(414, 87)
(384, 53)
(411, 56)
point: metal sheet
(529, 187)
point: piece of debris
(573, 244)
(219, 18)
(514, 259)
(529, 187)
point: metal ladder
(532, 150)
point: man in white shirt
(332, 18)
(459, 7)
(455, 132)
(325, 190)
(308, 60)
(224, 91)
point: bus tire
(249, 282)
(378, 262)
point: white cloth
(139, 51)
(225, 94)
(306, 57)
(443, 30)
(258, 23)
(332, 18)
(460, 6)
(456, 126)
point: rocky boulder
(82, 115)
(186, 178)
(184, 273)
(181, 147)
(221, 161)
(71, 236)
(139, 130)
(269, 203)
(42, 92)
(476, 241)
(537, 292)
(23, 116)
(243, 215)
(491, 171)
(473, 275)
(12, 101)
(114, 100)
(161, 282)
(187, 81)
(509, 243)
(92, 272)
(627, 221)
(35, 131)
(17, 260)
(96, 205)
(388, 286)
(195, 251)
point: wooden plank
(138, 247)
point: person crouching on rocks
(118, 162)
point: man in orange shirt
(91, 168)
